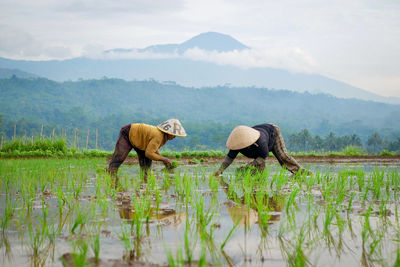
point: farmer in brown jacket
(145, 140)
(256, 142)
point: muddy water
(277, 244)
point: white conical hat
(172, 127)
(241, 137)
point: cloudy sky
(355, 41)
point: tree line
(304, 141)
(209, 135)
(110, 103)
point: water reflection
(243, 215)
(257, 208)
(246, 211)
(7, 248)
(360, 229)
(164, 216)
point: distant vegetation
(301, 143)
(90, 113)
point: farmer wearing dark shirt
(256, 142)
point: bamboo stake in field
(41, 132)
(25, 137)
(77, 138)
(54, 132)
(74, 144)
(96, 137)
(87, 138)
(1, 142)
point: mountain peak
(213, 41)
(210, 41)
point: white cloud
(348, 40)
(18, 44)
(93, 7)
(293, 59)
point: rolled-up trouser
(122, 149)
(281, 154)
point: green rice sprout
(223, 244)
(174, 165)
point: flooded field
(70, 212)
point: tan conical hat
(172, 127)
(241, 137)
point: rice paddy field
(70, 212)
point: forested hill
(110, 103)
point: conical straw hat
(172, 127)
(241, 137)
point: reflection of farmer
(247, 214)
(167, 216)
(256, 143)
(146, 140)
(243, 215)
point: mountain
(209, 41)
(191, 73)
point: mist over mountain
(187, 71)
(209, 41)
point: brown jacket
(147, 138)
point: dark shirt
(261, 147)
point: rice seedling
(80, 251)
(179, 186)
(294, 250)
(262, 204)
(223, 244)
(213, 184)
(203, 256)
(176, 261)
(80, 218)
(141, 214)
(203, 215)
(8, 212)
(290, 203)
(279, 179)
(174, 165)
(188, 245)
(36, 238)
(350, 202)
(54, 200)
(125, 236)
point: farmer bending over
(255, 143)
(145, 140)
